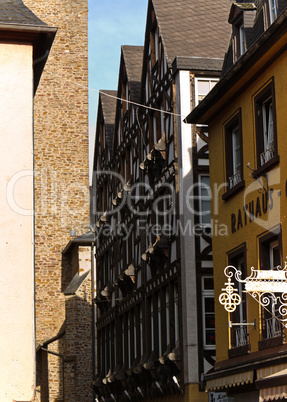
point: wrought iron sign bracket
(232, 324)
(267, 287)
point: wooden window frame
(266, 93)
(269, 19)
(264, 252)
(238, 31)
(236, 255)
(228, 127)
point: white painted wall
(16, 223)
(188, 267)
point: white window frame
(209, 79)
(203, 198)
(273, 12)
(206, 293)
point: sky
(112, 23)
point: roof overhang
(257, 58)
(40, 37)
(197, 64)
(85, 240)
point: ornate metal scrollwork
(267, 287)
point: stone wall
(61, 178)
(61, 153)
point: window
(270, 257)
(265, 118)
(208, 313)
(233, 154)
(239, 40)
(204, 199)
(239, 45)
(202, 87)
(271, 11)
(239, 333)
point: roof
(252, 32)
(133, 56)
(197, 63)
(15, 12)
(190, 28)
(133, 59)
(208, 107)
(20, 25)
(109, 105)
(109, 114)
(85, 239)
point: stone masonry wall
(61, 154)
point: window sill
(238, 351)
(270, 342)
(234, 190)
(267, 166)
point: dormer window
(239, 40)
(271, 11)
(241, 17)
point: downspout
(63, 369)
(93, 319)
(41, 58)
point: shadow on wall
(64, 363)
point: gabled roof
(133, 56)
(106, 113)
(109, 113)
(193, 28)
(15, 12)
(130, 70)
(133, 59)
(236, 8)
(108, 105)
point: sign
(267, 287)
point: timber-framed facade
(150, 268)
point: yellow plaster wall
(222, 215)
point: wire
(115, 97)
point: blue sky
(112, 23)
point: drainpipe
(93, 319)
(63, 372)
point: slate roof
(254, 32)
(239, 69)
(133, 58)
(15, 12)
(108, 105)
(193, 28)
(109, 112)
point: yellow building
(247, 141)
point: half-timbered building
(155, 325)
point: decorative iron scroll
(267, 287)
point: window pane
(203, 87)
(210, 321)
(205, 199)
(209, 304)
(210, 337)
(208, 283)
